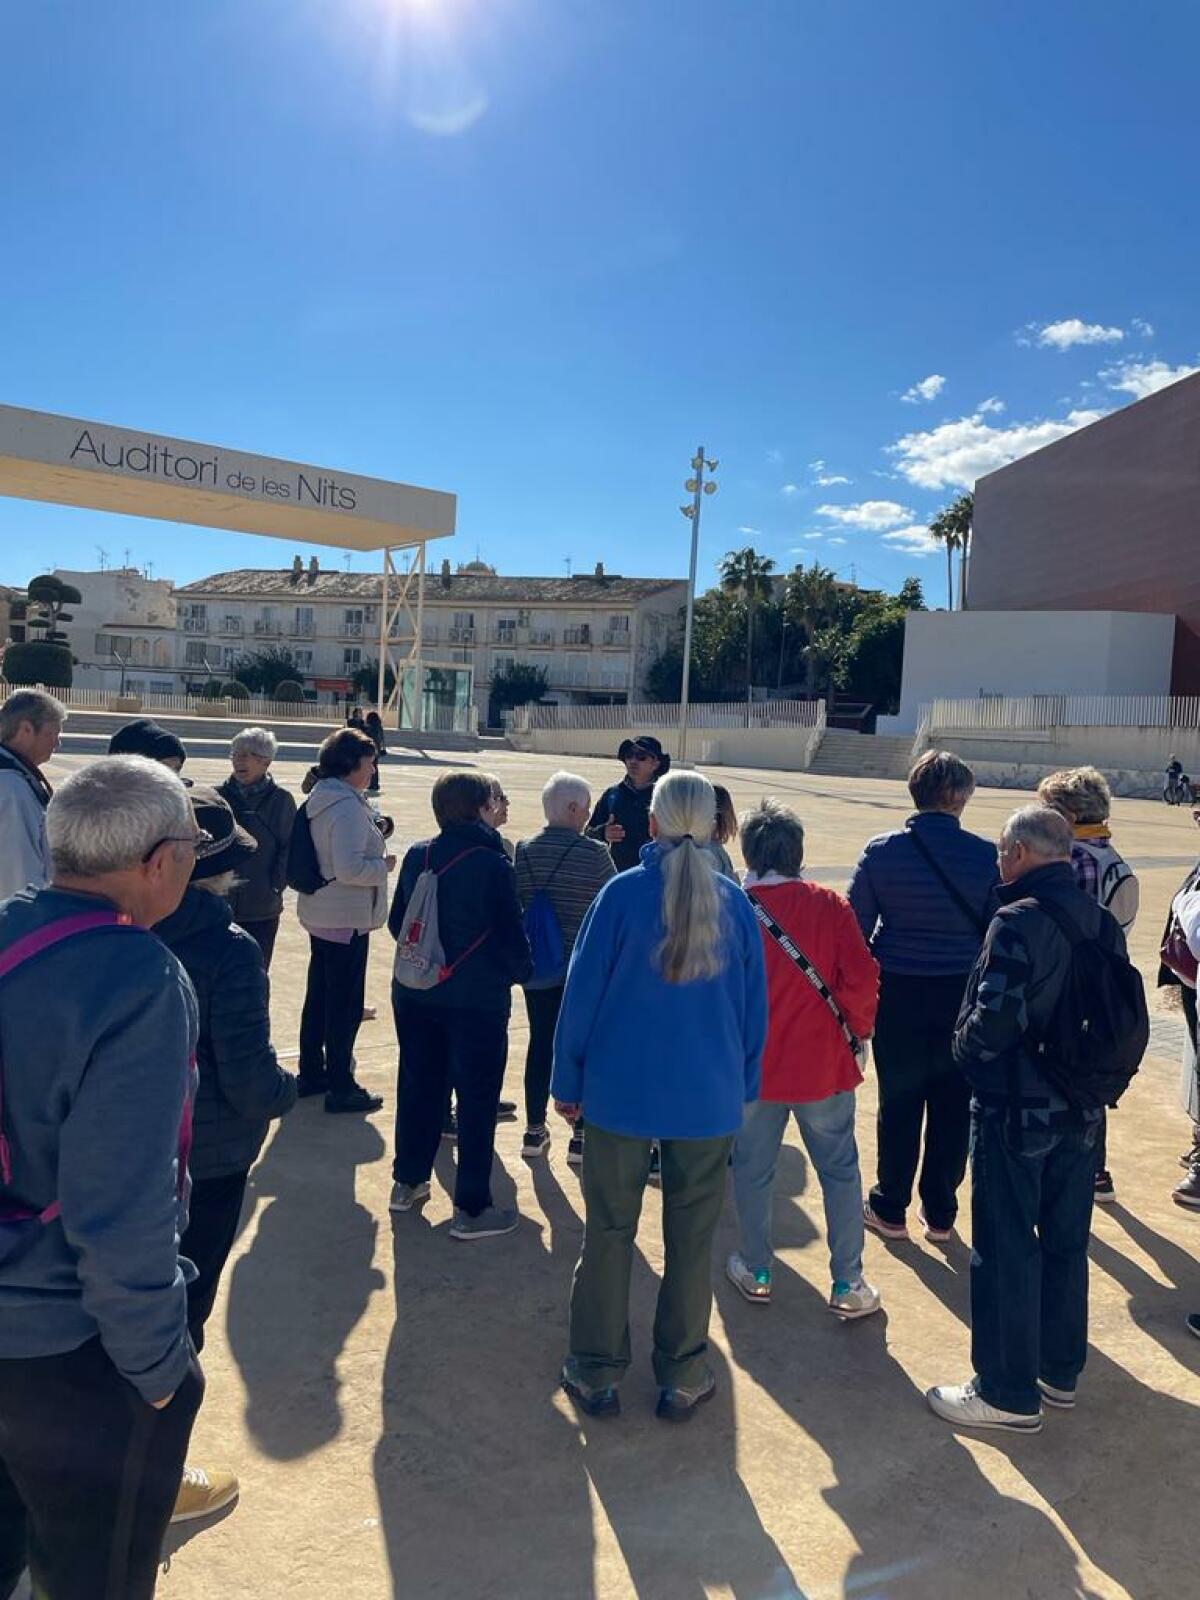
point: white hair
(684, 808)
(34, 706)
(1043, 831)
(109, 815)
(560, 791)
(259, 742)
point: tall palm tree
(812, 597)
(952, 526)
(747, 576)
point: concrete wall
(1132, 759)
(965, 654)
(784, 749)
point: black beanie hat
(145, 738)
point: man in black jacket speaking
(622, 815)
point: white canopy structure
(68, 461)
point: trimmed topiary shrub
(38, 662)
(288, 690)
(233, 690)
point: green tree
(266, 669)
(232, 689)
(911, 595)
(952, 527)
(365, 679)
(289, 691)
(38, 661)
(814, 603)
(517, 685)
(746, 576)
(875, 658)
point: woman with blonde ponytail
(661, 1035)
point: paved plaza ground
(389, 1396)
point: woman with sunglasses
(621, 819)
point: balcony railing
(195, 624)
(541, 635)
(462, 635)
(351, 630)
(230, 625)
(617, 636)
(306, 629)
(577, 635)
(264, 629)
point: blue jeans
(827, 1129)
(1031, 1215)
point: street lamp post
(698, 489)
(783, 632)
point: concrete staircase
(843, 754)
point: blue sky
(533, 251)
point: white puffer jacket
(351, 853)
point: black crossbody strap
(794, 953)
(964, 905)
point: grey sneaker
(488, 1224)
(604, 1402)
(964, 1406)
(407, 1195)
(755, 1286)
(679, 1405)
(850, 1300)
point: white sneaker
(850, 1300)
(963, 1405)
(407, 1195)
(754, 1286)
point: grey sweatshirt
(97, 1037)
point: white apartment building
(124, 629)
(595, 635)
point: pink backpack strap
(16, 955)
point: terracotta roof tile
(280, 583)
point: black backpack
(303, 868)
(1099, 1028)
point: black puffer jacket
(268, 813)
(476, 897)
(242, 1086)
(631, 808)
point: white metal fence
(256, 707)
(793, 714)
(1045, 711)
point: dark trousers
(88, 1475)
(1031, 1214)
(263, 933)
(466, 1049)
(920, 1084)
(333, 1005)
(615, 1170)
(216, 1205)
(542, 1007)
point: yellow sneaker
(202, 1493)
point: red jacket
(807, 1057)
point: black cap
(645, 744)
(231, 844)
(145, 738)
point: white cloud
(790, 489)
(874, 515)
(774, 457)
(1140, 378)
(1072, 331)
(990, 407)
(750, 530)
(914, 541)
(811, 536)
(835, 541)
(956, 453)
(1140, 325)
(827, 480)
(816, 466)
(928, 389)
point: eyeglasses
(201, 842)
(639, 755)
(499, 799)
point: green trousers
(615, 1170)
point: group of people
(678, 1018)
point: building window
(105, 644)
(351, 658)
(506, 630)
(304, 622)
(194, 652)
(523, 619)
(303, 659)
(161, 686)
(502, 665)
(162, 654)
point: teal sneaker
(755, 1286)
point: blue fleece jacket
(96, 1040)
(651, 1058)
(908, 916)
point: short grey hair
(773, 840)
(1044, 832)
(560, 791)
(34, 706)
(256, 742)
(108, 815)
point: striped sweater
(570, 867)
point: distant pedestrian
(99, 1385)
(242, 1086)
(811, 1067)
(144, 737)
(268, 814)
(339, 918)
(373, 723)
(923, 896)
(661, 1035)
(1083, 796)
(725, 832)
(455, 1032)
(31, 723)
(1033, 1155)
(622, 815)
(559, 874)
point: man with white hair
(559, 873)
(1034, 1127)
(98, 1382)
(30, 725)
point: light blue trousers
(827, 1129)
